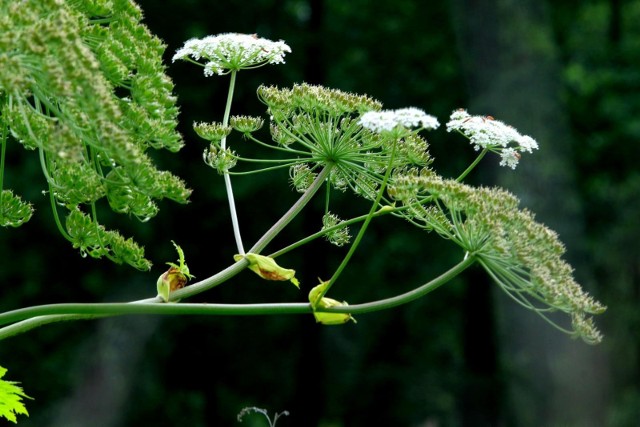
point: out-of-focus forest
(566, 73)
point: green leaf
(183, 268)
(175, 278)
(11, 397)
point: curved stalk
(60, 315)
(406, 297)
(50, 313)
(56, 217)
(3, 150)
(227, 177)
(472, 165)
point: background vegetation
(564, 72)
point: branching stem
(41, 315)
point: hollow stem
(45, 316)
(41, 315)
(227, 177)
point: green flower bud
(213, 132)
(219, 159)
(318, 301)
(337, 237)
(280, 136)
(301, 177)
(13, 210)
(169, 281)
(176, 277)
(246, 124)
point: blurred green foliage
(437, 361)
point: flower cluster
(229, 52)
(92, 239)
(220, 159)
(328, 127)
(339, 236)
(356, 145)
(485, 132)
(13, 210)
(301, 177)
(212, 132)
(92, 97)
(387, 120)
(317, 126)
(246, 124)
(523, 256)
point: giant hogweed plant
(83, 86)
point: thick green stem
(58, 315)
(206, 284)
(407, 297)
(64, 312)
(117, 309)
(35, 322)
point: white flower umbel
(387, 120)
(229, 52)
(485, 132)
(412, 117)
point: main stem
(60, 312)
(227, 177)
(65, 312)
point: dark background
(564, 72)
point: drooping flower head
(485, 132)
(228, 52)
(521, 255)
